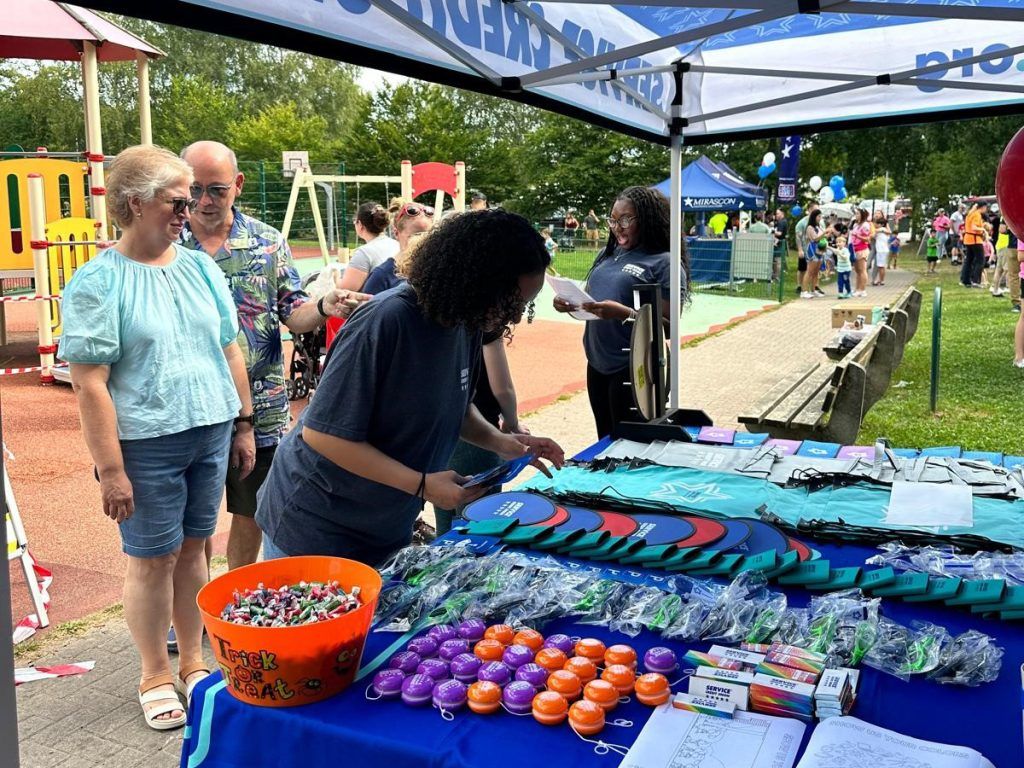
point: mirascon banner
(493, 33)
(509, 43)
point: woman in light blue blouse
(149, 331)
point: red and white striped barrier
(30, 369)
(27, 627)
(30, 298)
(31, 674)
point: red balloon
(1010, 184)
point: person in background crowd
(1004, 256)
(477, 201)
(758, 225)
(637, 252)
(880, 235)
(989, 258)
(974, 239)
(265, 286)
(571, 224)
(411, 221)
(814, 232)
(592, 225)
(780, 230)
(371, 227)
(150, 332)
(932, 253)
(350, 481)
(843, 268)
(718, 223)
(894, 249)
(1018, 333)
(860, 238)
(941, 225)
(549, 243)
(800, 232)
(956, 230)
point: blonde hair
(404, 259)
(140, 172)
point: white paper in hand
(571, 291)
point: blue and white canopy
(746, 67)
(697, 71)
(711, 186)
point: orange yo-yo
(652, 689)
(582, 667)
(549, 708)
(531, 638)
(602, 693)
(484, 697)
(620, 654)
(591, 649)
(503, 633)
(586, 718)
(622, 677)
(551, 659)
(566, 684)
(488, 650)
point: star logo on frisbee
(689, 494)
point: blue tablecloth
(349, 729)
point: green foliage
(977, 405)
(262, 136)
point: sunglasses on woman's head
(180, 204)
(412, 210)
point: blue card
(504, 473)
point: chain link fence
(747, 266)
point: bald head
(217, 184)
(210, 152)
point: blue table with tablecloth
(354, 731)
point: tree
(264, 135)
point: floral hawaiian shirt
(257, 263)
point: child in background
(894, 249)
(828, 259)
(550, 244)
(988, 260)
(932, 253)
(843, 267)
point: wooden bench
(828, 400)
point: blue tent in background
(711, 186)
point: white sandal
(186, 671)
(171, 703)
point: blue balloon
(764, 171)
(841, 195)
(836, 182)
(796, 210)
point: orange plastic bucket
(289, 666)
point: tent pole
(675, 201)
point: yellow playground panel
(72, 243)
(65, 189)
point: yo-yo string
(517, 714)
(445, 714)
(688, 673)
(367, 695)
(621, 722)
(624, 699)
(602, 747)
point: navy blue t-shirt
(382, 278)
(393, 379)
(613, 279)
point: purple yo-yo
(449, 695)
(518, 697)
(451, 648)
(388, 683)
(561, 642)
(472, 630)
(494, 672)
(517, 655)
(534, 674)
(442, 632)
(425, 646)
(436, 669)
(464, 667)
(416, 690)
(661, 660)
(407, 661)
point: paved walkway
(94, 719)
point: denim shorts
(271, 551)
(177, 483)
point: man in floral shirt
(258, 265)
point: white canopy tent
(670, 72)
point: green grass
(979, 404)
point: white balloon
(769, 158)
(826, 195)
(815, 183)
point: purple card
(857, 452)
(785, 447)
(716, 435)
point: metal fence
(747, 268)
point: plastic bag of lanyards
(685, 625)
(653, 608)
(416, 563)
(905, 652)
(736, 609)
(792, 629)
(552, 593)
(769, 619)
(843, 626)
(969, 659)
(601, 601)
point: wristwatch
(250, 420)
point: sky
(371, 79)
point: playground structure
(415, 180)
